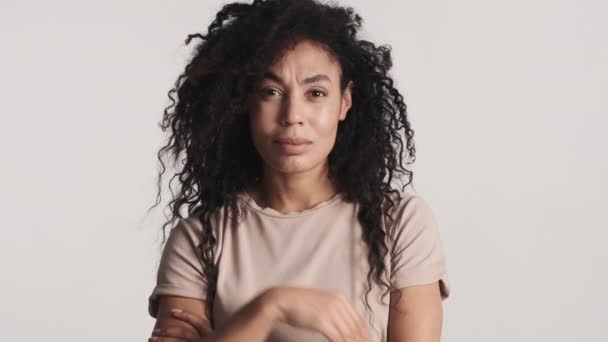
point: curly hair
(209, 118)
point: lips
(293, 141)
(292, 146)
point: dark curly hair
(209, 118)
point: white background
(508, 100)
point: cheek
(261, 131)
(260, 125)
(326, 124)
(326, 134)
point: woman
(292, 133)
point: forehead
(306, 58)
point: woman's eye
(269, 92)
(318, 93)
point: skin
(292, 102)
(417, 316)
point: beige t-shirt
(318, 247)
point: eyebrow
(315, 78)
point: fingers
(357, 329)
(347, 323)
(331, 331)
(346, 331)
(173, 333)
(165, 339)
(362, 329)
(201, 325)
(343, 324)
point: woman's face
(296, 109)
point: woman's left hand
(178, 334)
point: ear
(347, 100)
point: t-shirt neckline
(251, 204)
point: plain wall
(507, 100)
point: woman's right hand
(328, 312)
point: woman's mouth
(293, 146)
(293, 141)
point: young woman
(292, 134)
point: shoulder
(407, 210)
(187, 228)
(194, 226)
(188, 234)
(194, 231)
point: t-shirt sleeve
(180, 272)
(417, 255)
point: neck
(293, 192)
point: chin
(293, 166)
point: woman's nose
(292, 112)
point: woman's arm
(326, 311)
(253, 322)
(416, 314)
(165, 321)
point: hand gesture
(178, 334)
(328, 312)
